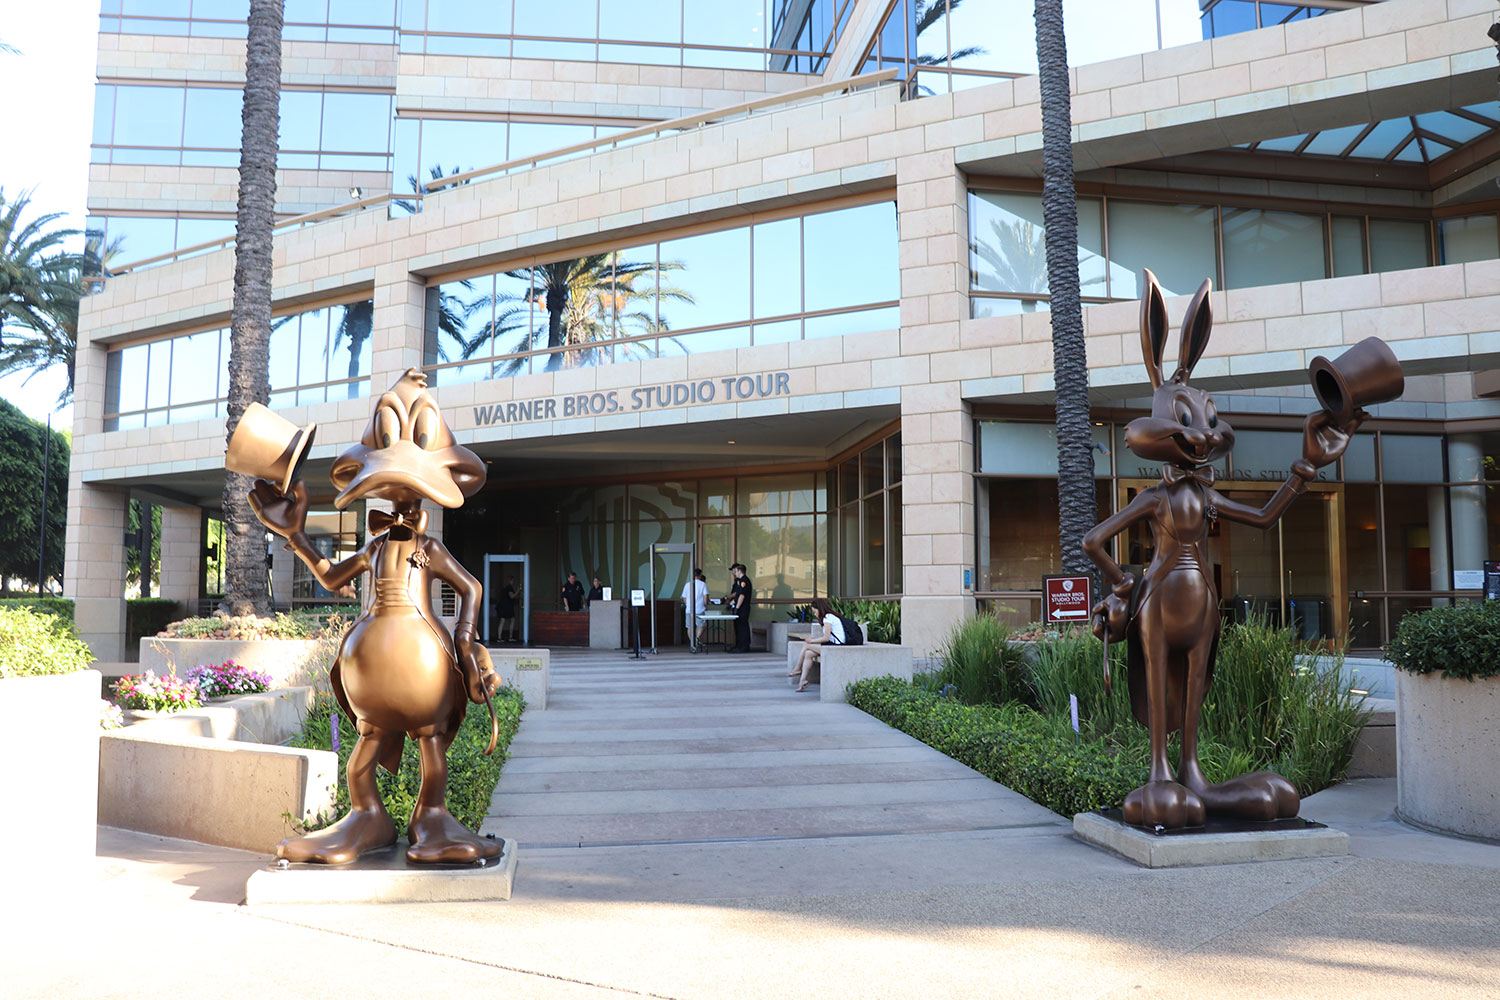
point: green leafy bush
(883, 617)
(147, 616)
(1025, 750)
(981, 664)
(62, 607)
(296, 625)
(1462, 641)
(471, 775)
(1073, 663)
(33, 643)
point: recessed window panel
(706, 279)
(1348, 246)
(159, 374)
(367, 12)
(554, 19)
(148, 116)
(531, 138)
(462, 145)
(713, 22)
(636, 276)
(1175, 241)
(222, 10)
(349, 336)
(641, 20)
(104, 113)
(1411, 458)
(194, 357)
(1333, 141)
(1269, 248)
(1397, 244)
(1463, 240)
(844, 324)
(1008, 248)
(301, 120)
(141, 238)
(132, 379)
(283, 367)
(475, 17)
(850, 257)
(305, 12)
(356, 122)
(778, 268)
(1383, 138)
(1451, 126)
(512, 311)
(778, 333)
(701, 343)
(312, 364)
(463, 317)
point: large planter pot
(1447, 743)
(290, 662)
(50, 738)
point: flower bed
(149, 692)
(227, 680)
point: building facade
(771, 282)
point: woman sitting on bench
(833, 634)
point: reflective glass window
(213, 118)
(141, 238)
(1268, 248)
(301, 119)
(713, 22)
(1008, 250)
(356, 122)
(450, 145)
(159, 374)
(191, 232)
(1464, 240)
(1397, 245)
(283, 368)
(132, 380)
(349, 339)
(709, 279)
(778, 268)
(531, 138)
(1175, 241)
(850, 257)
(312, 364)
(192, 359)
(1411, 458)
(148, 116)
(1348, 246)
(104, 113)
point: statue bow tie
(1172, 474)
(382, 521)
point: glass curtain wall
(779, 526)
(781, 35)
(316, 356)
(336, 535)
(1419, 513)
(371, 21)
(1183, 243)
(823, 274)
(867, 523)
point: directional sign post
(1066, 600)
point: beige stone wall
(1335, 69)
(125, 58)
(127, 188)
(181, 555)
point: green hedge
(471, 775)
(883, 617)
(62, 607)
(1024, 750)
(1462, 641)
(33, 643)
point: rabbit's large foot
(1261, 796)
(1165, 804)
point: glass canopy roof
(1422, 138)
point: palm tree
(1077, 511)
(29, 258)
(245, 589)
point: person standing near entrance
(572, 593)
(739, 603)
(505, 610)
(695, 606)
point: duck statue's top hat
(1365, 374)
(268, 446)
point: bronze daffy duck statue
(399, 672)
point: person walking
(572, 593)
(505, 610)
(740, 595)
(695, 606)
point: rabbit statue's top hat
(1365, 374)
(268, 446)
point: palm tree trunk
(1077, 511)
(245, 589)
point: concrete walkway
(691, 828)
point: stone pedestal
(527, 670)
(1446, 747)
(1278, 841)
(385, 877)
(604, 624)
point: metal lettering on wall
(730, 389)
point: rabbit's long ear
(1197, 324)
(1153, 328)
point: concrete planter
(289, 661)
(1447, 744)
(51, 739)
(777, 634)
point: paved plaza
(690, 827)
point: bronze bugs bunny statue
(1169, 619)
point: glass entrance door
(1291, 573)
(715, 554)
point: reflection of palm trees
(925, 14)
(1016, 254)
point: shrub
(227, 678)
(33, 643)
(1462, 641)
(980, 662)
(283, 626)
(883, 617)
(147, 616)
(153, 693)
(1024, 750)
(62, 607)
(1072, 664)
(471, 775)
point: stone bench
(840, 666)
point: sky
(46, 146)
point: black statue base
(1217, 824)
(1218, 842)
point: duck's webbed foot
(360, 831)
(438, 838)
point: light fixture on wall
(356, 193)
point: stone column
(94, 566)
(182, 556)
(397, 324)
(937, 436)
(1441, 576)
(1466, 504)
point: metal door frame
(525, 561)
(691, 548)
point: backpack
(853, 635)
